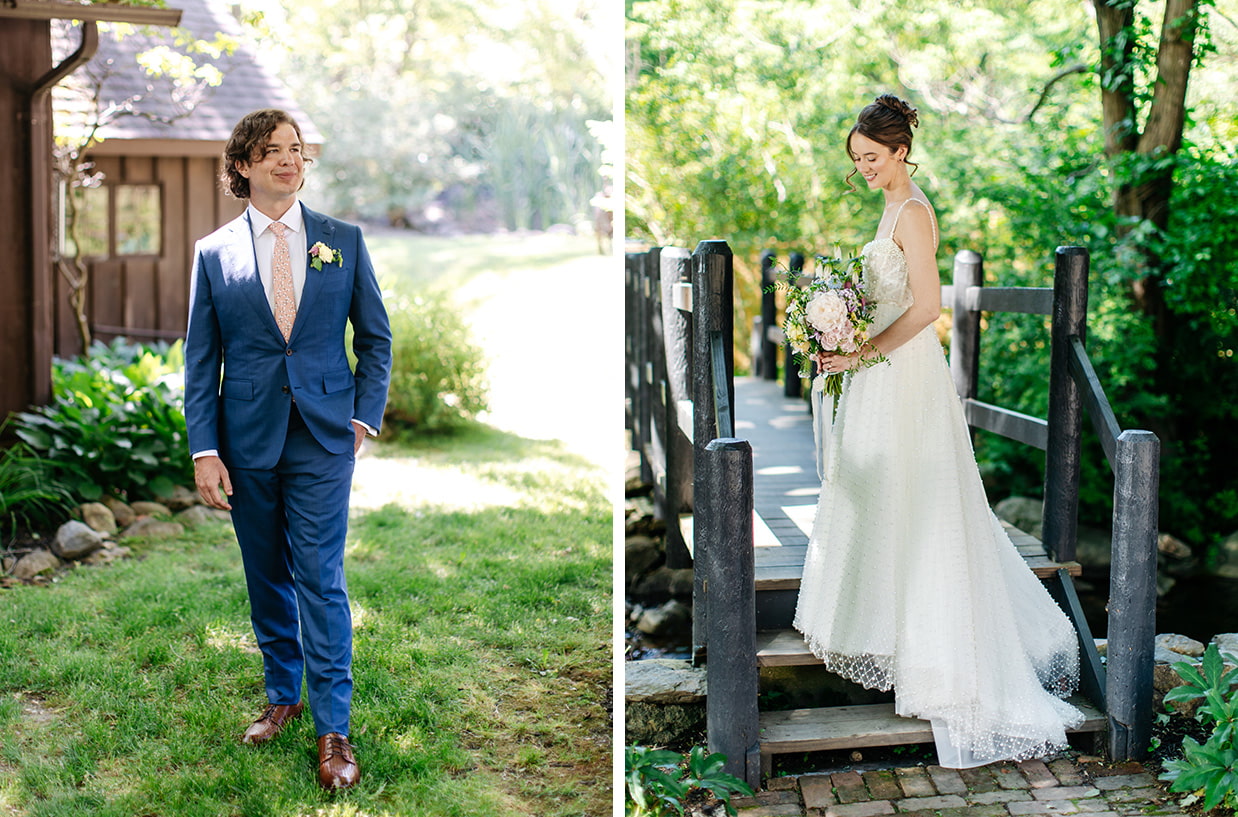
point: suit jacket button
(285, 390)
(288, 352)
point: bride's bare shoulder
(918, 218)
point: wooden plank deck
(847, 727)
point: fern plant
(1209, 770)
(661, 782)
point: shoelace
(337, 747)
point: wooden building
(160, 169)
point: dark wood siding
(147, 297)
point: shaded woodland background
(1110, 125)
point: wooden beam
(94, 12)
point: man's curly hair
(247, 144)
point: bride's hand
(832, 363)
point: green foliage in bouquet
(1210, 770)
(116, 422)
(438, 373)
(661, 782)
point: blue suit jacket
(239, 372)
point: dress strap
(899, 212)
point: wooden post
(712, 315)
(649, 263)
(676, 265)
(631, 263)
(731, 717)
(1070, 314)
(965, 324)
(1132, 594)
(769, 319)
(792, 386)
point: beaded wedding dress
(910, 582)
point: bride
(910, 582)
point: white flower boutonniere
(322, 254)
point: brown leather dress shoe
(337, 768)
(271, 722)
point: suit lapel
(242, 271)
(317, 228)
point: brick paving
(1080, 785)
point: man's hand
(359, 431)
(208, 474)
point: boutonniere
(322, 254)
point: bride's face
(879, 165)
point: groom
(276, 416)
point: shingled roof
(248, 84)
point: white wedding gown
(910, 582)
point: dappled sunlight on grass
(231, 637)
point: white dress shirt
(264, 248)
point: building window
(116, 221)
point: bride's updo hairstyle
(888, 121)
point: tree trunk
(1145, 195)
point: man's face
(279, 171)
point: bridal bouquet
(831, 314)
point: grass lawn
(479, 569)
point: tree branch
(1078, 68)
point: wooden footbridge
(731, 462)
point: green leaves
(116, 422)
(658, 781)
(1210, 768)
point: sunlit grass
(482, 661)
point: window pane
(91, 223)
(137, 219)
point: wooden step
(854, 727)
(780, 568)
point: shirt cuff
(369, 429)
(210, 452)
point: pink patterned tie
(281, 281)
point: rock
(1023, 512)
(151, 509)
(75, 539)
(123, 511)
(1180, 644)
(34, 563)
(663, 681)
(664, 583)
(670, 617)
(1172, 546)
(1093, 547)
(661, 724)
(149, 528)
(180, 499)
(1227, 557)
(639, 554)
(6, 564)
(197, 514)
(1226, 643)
(98, 516)
(107, 555)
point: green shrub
(661, 782)
(1208, 770)
(116, 422)
(437, 373)
(30, 496)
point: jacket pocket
(238, 389)
(337, 381)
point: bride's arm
(915, 234)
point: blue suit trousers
(291, 522)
